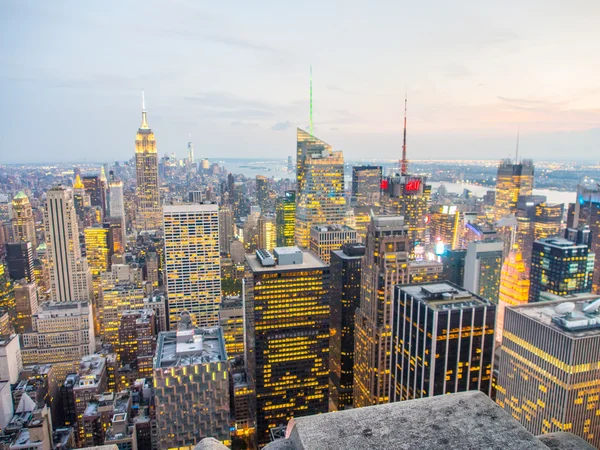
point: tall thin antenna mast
(404, 162)
(311, 118)
(517, 152)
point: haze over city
(236, 76)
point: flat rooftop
(560, 242)
(190, 347)
(577, 318)
(444, 296)
(309, 261)
(331, 228)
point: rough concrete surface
(565, 441)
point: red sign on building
(412, 185)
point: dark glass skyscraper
(562, 266)
(19, 258)
(94, 188)
(512, 181)
(346, 271)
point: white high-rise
(70, 277)
(192, 263)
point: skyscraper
(70, 277)
(326, 238)
(514, 287)
(225, 229)
(26, 305)
(19, 258)
(95, 189)
(320, 181)
(262, 192)
(444, 227)
(548, 368)
(512, 181)
(536, 219)
(287, 320)
(148, 214)
(267, 233)
(562, 266)
(346, 273)
(442, 341)
(483, 267)
(192, 263)
(23, 224)
(407, 196)
(98, 252)
(366, 185)
(385, 265)
(117, 207)
(586, 211)
(285, 219)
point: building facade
(192, 262)
(285, 219)
(385, 265)
(548, 369)
(324, 239)
(442, 341)
(346, 275)
(23, 223)
(287, 307)
(512, 181)
(366, 185)
(483, 267)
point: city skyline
(240, 91)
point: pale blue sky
(235, 75)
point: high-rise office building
(366, 185)
(148, 213)
(7, 293)
(23, 223)
(514, 288)
(262, 192)
(512, 181)
(95, 189)
(117, 208)
(483, 267)
(385, 265)
(191, 382)
(444, 224)
(225, 229)
(407, 196)
(442, 341)
(287, 320)
(98, 248)
(81, 199)
(63, 333)
(192, 262)
(326, 238)
(320, 181)
(285, 219)
(454, 266)
(586, 211)
(562, 266)
(425, 271)
(346, 273)
(548, 368)
(536, 219)
(137, 341)
(70, 277)
(231, 320)
(26, 305)
(19, 258)
(267, 232)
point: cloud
(526, 101)
(239, 123)
(455, 70)
(245, 44)
(281, 126)
(330, 87)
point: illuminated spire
(103, 175)
(404, 162)
(144, 118)
(78, 183)
(311, 119)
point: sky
(235, 74)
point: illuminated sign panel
(412, 186)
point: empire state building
(148, 214)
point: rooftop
(444, 295)
(330, 228)
(560, 242)
(187, 347)
(309, 261)
(575, 318)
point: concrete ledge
(210, 444)
(565, 441)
